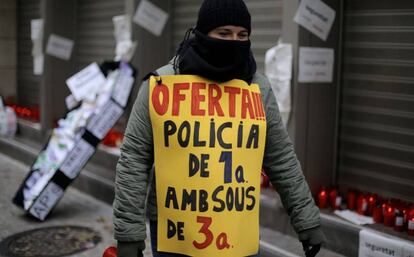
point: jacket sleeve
(132, 172)
(284, 170)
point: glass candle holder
(399, 221)
(335, 199)
(351, 200)
(322, 198)
(410, 223)
(377, 213)
(362, 204)
(389, 216)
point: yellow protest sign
(208, 150)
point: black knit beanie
(216, 13)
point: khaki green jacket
(134, 185)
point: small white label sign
(122, 27)
(45, 202)
(150, 17)
(38, 63)
(316, 64)
(122, 89)
(36, 29)
(77, 158)
(101, 123)
(86, 82)
(373, 244)
(59, 47)
(315, 16)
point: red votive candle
(110, 252)
(334, 198)
(399, 221)
(410, 225)
(372, 200)
(264, 183)
(322, 199)
(377, 213)
(389, 216)
(350, 199)
(362, 204)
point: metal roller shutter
(266, 23)
(95, 41)
(28, 85)
(377, 109)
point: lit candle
(389, 216)
(350, 199)
(322, 199)
(372, 199)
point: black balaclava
(217, 59)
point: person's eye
(243, 36)
(223, 33)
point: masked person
(218, 49)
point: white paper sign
(86, 82)
(8, 122)
(150, 17)
(122, 89)
(71, 102)
(45, 202)
(38, 63)
(372, 244)
(278, 69)
(278, 61)
(122, 27)
(101, 123)
(315, 16)
(36, 29)
(77, 158)
(316, 64)
(59, 47)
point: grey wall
(152, 52)
(316, 112)
(8, 47)
(60, 18)
(290, 35)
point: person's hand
(310, 250)
(312, 240)
(129, 249)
